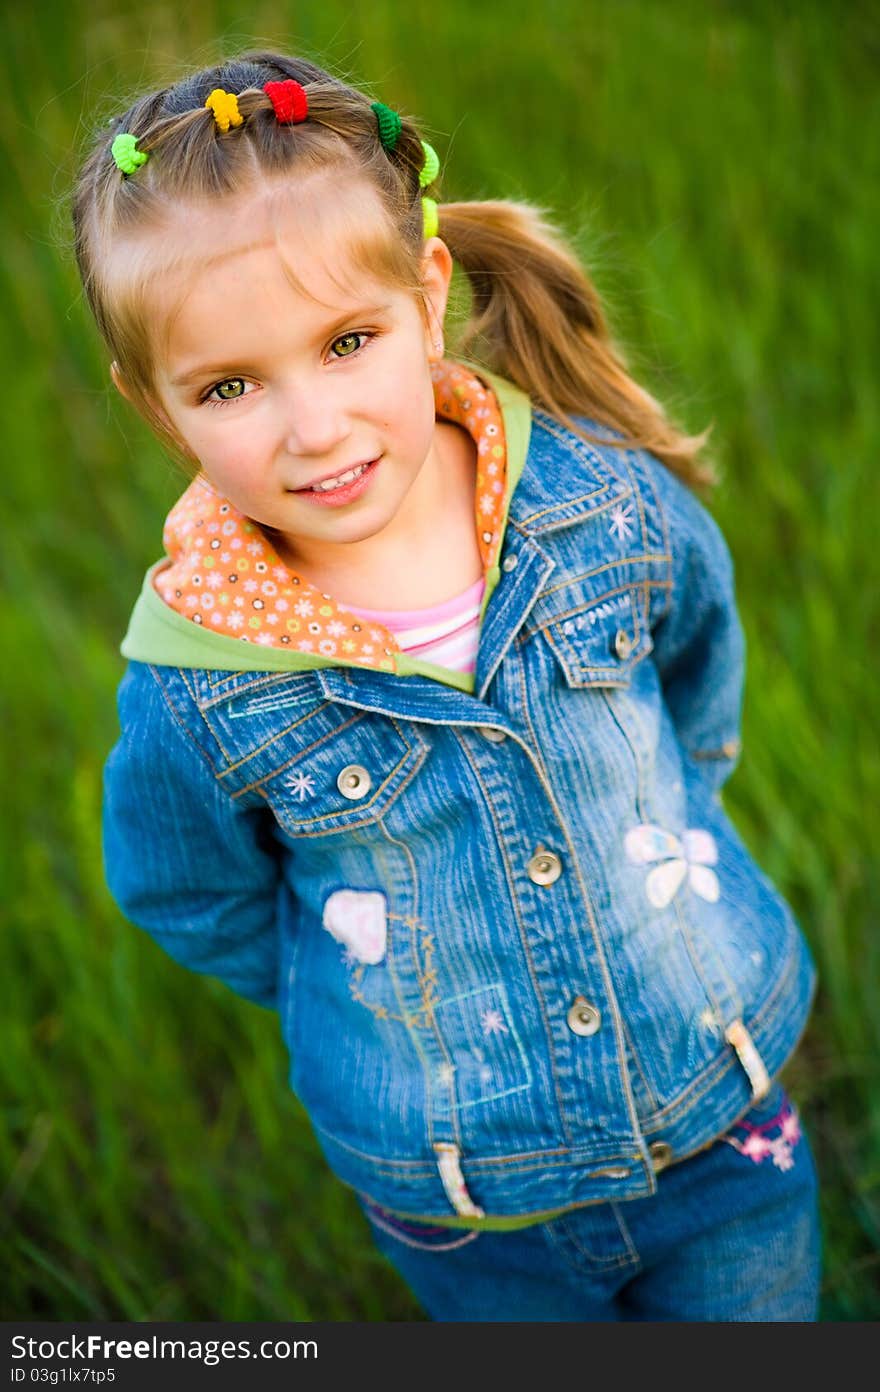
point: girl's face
(273, 388)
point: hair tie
(127, 156)
(225, 108)
(389, 124)
(289, 101)
(430, 218)
(431, 167)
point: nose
(315, 420)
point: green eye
(347, 344)
(231, 389)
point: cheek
(233, 438)
(404, 404)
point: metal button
(509, 562)
(490, 733)
(623, 644)
(661, 1155)
(582, 1017)
(354, 781)
(543, 867)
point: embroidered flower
(690, 855)
(621, 522)
(492, 1022)
(758, 1146)
(302, 785)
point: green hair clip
(389, 124)
(127, 156)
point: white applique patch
(357, 918)
(687, 856)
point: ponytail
(537, 320)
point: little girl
(427, 713)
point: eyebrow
(218, 370)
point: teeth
(339, 481)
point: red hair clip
(289, 101)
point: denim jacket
(521, 957)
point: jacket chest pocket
(347, 777)
(321, 767)
(599, 642)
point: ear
(436, 279)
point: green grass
(717, 165)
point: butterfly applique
(689, 855)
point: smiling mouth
(342, 480)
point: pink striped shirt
(447, 634)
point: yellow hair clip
(225, 108)
(430, 218)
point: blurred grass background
(717, 165)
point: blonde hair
(535, 317)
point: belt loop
(448, 1163)
(737, 1035)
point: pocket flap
(600, 643)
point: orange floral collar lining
(224, 573)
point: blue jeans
(732, 1234)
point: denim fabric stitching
(523, 937)
(651, 1095)
(342, 818)
(600, 676)
(650, 812)
(527, 629)
(327, 738)
(528, 524)
(629, 559)
(426, 1065)
(639, 465)
(512, 1164)
(558, 1232)
(426, 977)
(622, 669)
(168, 700)
(498, 987)
(646, 540)
(248, 680)
(581, 450)
(716, 1070)
(233, 767)
(599, 946)
(585, 575)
